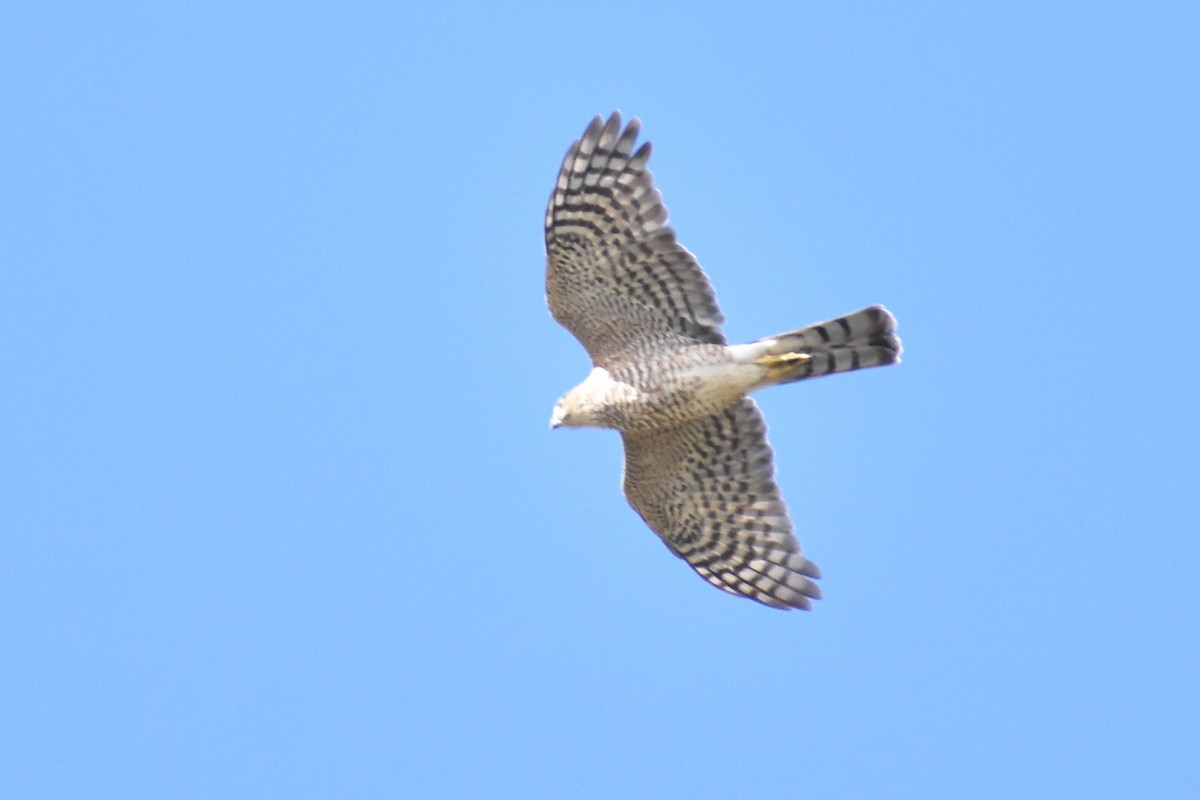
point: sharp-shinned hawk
(698, 468)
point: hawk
(698, 468)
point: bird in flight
(698, 468)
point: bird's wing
(707, 488)
(615, 276)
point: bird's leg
(784, 360)
(780, 365)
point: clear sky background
(280, 515)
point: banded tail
(863, 339)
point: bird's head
(570, 411)
(559, 415)
(584, 406)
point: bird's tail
(863, 339)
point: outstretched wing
(615, 276)
(708, 489)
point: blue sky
(280, 513)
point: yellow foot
(785, 366)
(784, 360)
